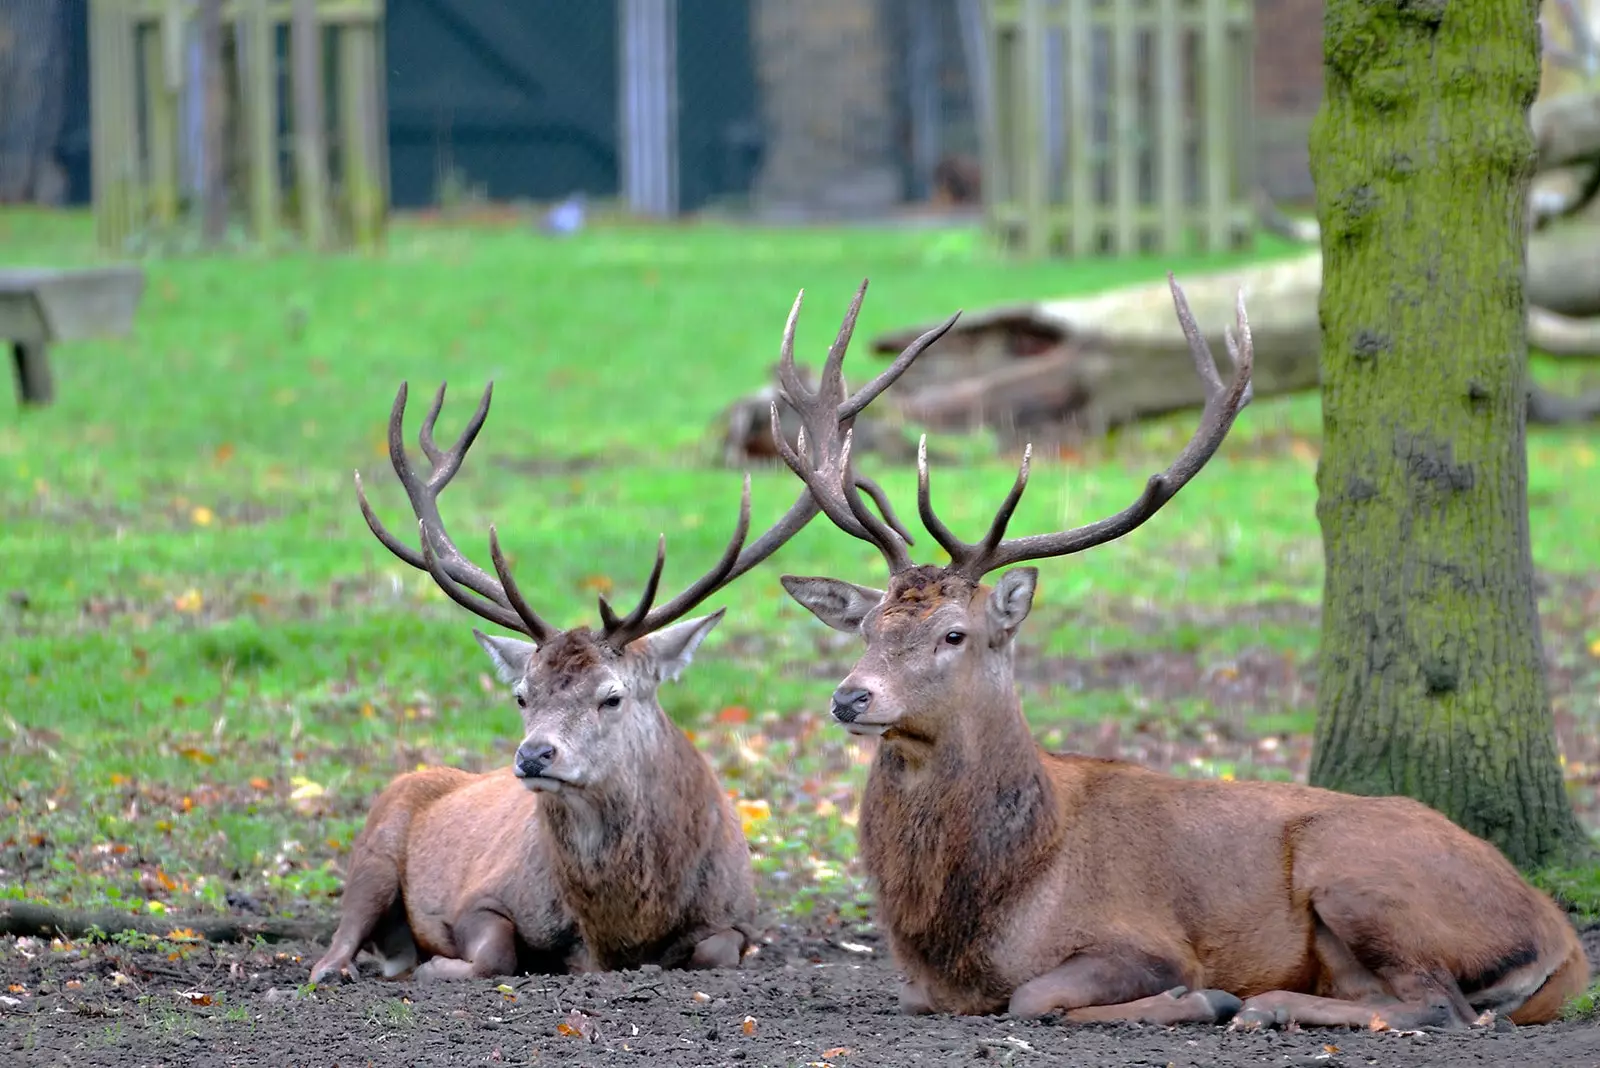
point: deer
(1013, 879)
(608, 843)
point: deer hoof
(1222, 1005)
(328, 970)
(1257, 1018)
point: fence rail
(202, 104)
(1119, 126)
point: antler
(827, 421)
(824, 413)
(497, 601)
(1222, 406)
(500, 601)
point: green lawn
(208, 666)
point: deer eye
(522, 702)
(955, 637)
(614, 701)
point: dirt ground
(811, 997)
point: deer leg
(371, 892)
(914, 1000)
(1176, 1006)
(488, 942)
(1280, 1008)
(1120, 985)
(725, 949)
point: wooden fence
(1119, 126)
(191, 107)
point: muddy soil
(818, 997)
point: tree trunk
(1429, 680)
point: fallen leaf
(189, 601)
(577, 1025)
(837, 1051)
(734, 714)
(749, 1025)
(184, 934)
(73, 984)
(304, 789)
(202, 516)
(259, 783)
(1594, 647)
(166, 881)
(17, 988)
(752, 812)
(700, 996)
(223, 453)
(197, 754)
(195, 997)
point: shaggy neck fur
(633, 854)
(952, 829)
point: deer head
(939, 640)
(587, 697)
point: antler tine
(834, 491)
(494, 613)
(966, 557)
(892, 545)
(537, 628)
(642, 620)
(1223, 403)
(611, 623)
(869, 392)
(492, 601)
(885, 509)
(425, 434)
(832, 386)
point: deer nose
(850, 703)
(532, 760)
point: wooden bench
(40, 306)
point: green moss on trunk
(1430, 677)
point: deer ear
(671, 648)
(841, 605)
(510, 656)
(1009, 603)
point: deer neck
(954, 829)
(622, 852)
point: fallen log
(1060, 370)
(19, 918)
(1566, 128)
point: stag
(1010, 878)
(608, 843)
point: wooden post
(1125, 132)
(214, 188)
(311, 156)
(1080, 198)
(161, 118)
(1030, 132)
(31, 361)
(1218, 104)
(358, 132)
(1170, 111)
(260, 60)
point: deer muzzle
(850, 703)
(532, 765)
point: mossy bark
(1431, 681)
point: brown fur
(640, 860)
(1010, 878)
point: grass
(208, 666)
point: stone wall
(1288, 84)
(826, 72)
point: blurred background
(768, 108)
